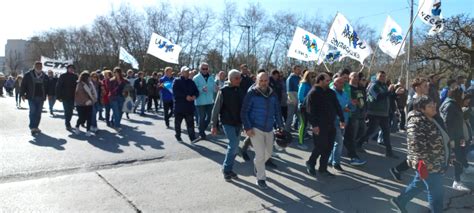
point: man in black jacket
(228, 105)
(65, 91)
(141, 90)
(323, 108)
(52, 81)
(34, 87)
(185, 92)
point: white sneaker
(460, 187)
(76, 131)
(94, 129)
(89, 134)
(469, 170)
(302, 146)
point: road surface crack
(120, 194)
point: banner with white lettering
(305, 46)
(163, 49)
(127, 58)
(391, 40)
(56, 65)
(430, 14)
(345, 38)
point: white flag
(430, 14)
(330, 54)
(57, 66)
(305, 46)
(391, 40)
(345, 38)
(163, 49)
(127, 58)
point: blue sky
(18, 21)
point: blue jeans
(68, 106)
(95, 109)
(117, 105)
(36, 107)
(51, 102)
(107, 112)
(433, 184)
(233, 133)
(141, 99)
(336, 152)
(290, 116)
(205, 112)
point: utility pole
(410, 44)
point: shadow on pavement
(48, 141)
(111, 141)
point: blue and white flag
(305, 46)
(127, 58)
(391, 40)
(345, 39)
(430, 14)
(163, 49)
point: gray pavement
(145, 170)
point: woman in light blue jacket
(303, 89)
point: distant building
(2, 64)
(17, 56)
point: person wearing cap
(34, 87)
(185, 93)
(206, 85)
(65, 92)
(227, 107)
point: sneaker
(396, 174)
(227, 176)
(469, 170)
(233, 175)
(179, 139)
(262, 184)
(89, 134)
(94, 129)
(302, 146)
(338, 167)
(460, 187)
(38, 130)
(52, 115)
(326, 174)
(68, 128)
(396, 204)
(310, 169)
(196, 140)
(357, 162)
(76, 131)
(270, 164)
(391, 155)
(244, 155)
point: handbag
(128, 105)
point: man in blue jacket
(185, 92)
(260, 111)
(166, 86)
(205, 83)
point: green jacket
(378, 99)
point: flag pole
(324, 63)
(406, 35)
(325, 41)
(372, 60)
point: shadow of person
(140, 122)
(48, 141)
(111, 142)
